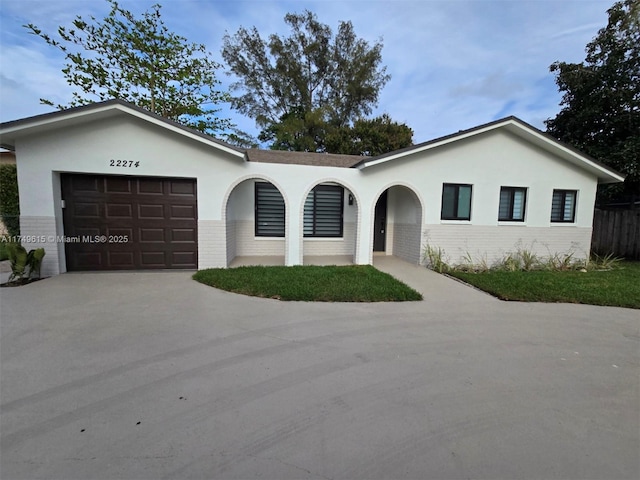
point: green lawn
(355, 283)
(617, 287)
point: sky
(454, 64)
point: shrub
(528, 259)
(435, 259)
(4, 255)
(604, 262)
(24, 264)
(562, 262)
(9, 200)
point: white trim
(456, 222)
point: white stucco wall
(489, 162)
(486, 161)
(404, 224)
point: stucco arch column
(364, 236)
(293, 252)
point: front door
(380, 224)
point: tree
(601, 102)
(370, 137)
(301, 88)
(140, 61)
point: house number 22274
(124, 163)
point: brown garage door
(126, 223)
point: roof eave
(9, 131)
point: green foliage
(310, 132)
(9, 199)
(519, 260)
(603, 262)
(619, 286)
(435, 259)
(370, 137)
(140, 61)
(561, 262)
(356, 283)
(510, 263)
(469, 264)
(4, 255)
(298, 131)
(18, 258)
(311, 91)
(601, 104)
(24, 264)
(34, 261)
(528, 259)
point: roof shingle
(302, 158)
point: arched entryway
(330, 220)
(255, 220)
(397, 224)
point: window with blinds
(323, 211)
(269, 206)
(563, 206)
(512, 204)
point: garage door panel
(152, 235)
(154, 259)
(121, 259)
(85, 183)
(183, 235)
(151, 186)
(118, 210)
(88, 232)
(151, 212)
(157, 216)
(88, 259)
(182, 187)
(120, 234)
(183, 211)
(117, 185)
(183, 258)
(91, 210)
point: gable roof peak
(97, 110)
(517, 127)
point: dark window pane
(448, 201)
(456, 202)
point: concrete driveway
(154, 376)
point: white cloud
(454, 64)
(29, 76)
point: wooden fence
(617, 232)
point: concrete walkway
(431, 285)
(150, 375)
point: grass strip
(619, 287)
(353, 283)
